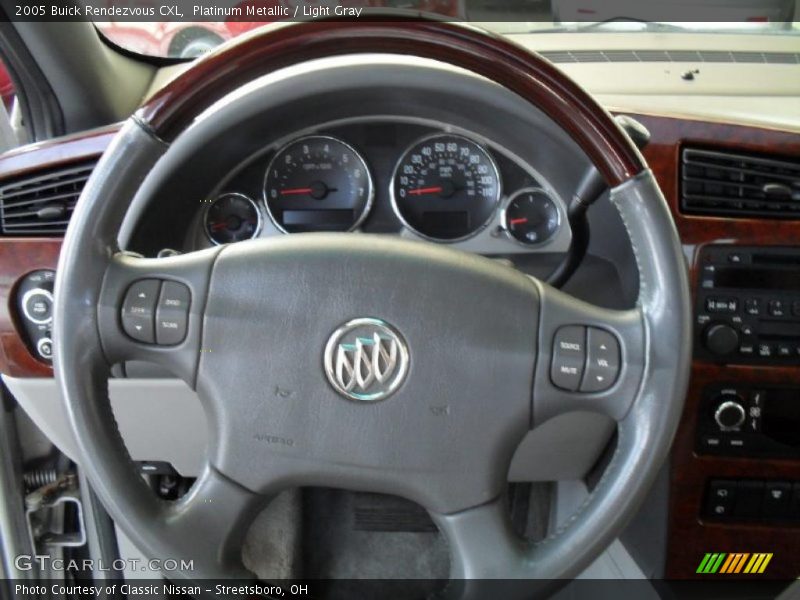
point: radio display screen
(757, 279)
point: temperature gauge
(531, 217)
(232, 218)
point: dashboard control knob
(37, 306)
(45, 348)
(730, 415)
(721, 339)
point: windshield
(188, 31)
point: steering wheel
(461, 355)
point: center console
(746, 420)
(748, 305)
(748, 332)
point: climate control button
(730, 414)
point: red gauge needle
(518, 221)
(427, 190)
(296, 191)
(218, 226)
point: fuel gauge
(232, 218)
(531, 217)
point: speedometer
(317, 183)
(446, 187)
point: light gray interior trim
(160, 419)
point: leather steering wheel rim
(655, 336)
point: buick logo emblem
(366, 360)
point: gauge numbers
(317, 183)
(446, 188)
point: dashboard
(467, 183)
(407, 177)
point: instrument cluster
(417, 180)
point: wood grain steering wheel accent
(494, 57)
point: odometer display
(317, 183)
(446, 187)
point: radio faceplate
(748, 305)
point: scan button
(172, 314)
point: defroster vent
(738, 185)
(41, 203)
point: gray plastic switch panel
(602, 363)
(138, 310)
(569, 357)
(172, 313)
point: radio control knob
(721, 339)
(729, 415)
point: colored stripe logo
(733, 563)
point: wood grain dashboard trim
(19, 255)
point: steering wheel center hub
(366, 360)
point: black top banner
(626, 14)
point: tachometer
(317, 183)
(446, 187)
(232, 218)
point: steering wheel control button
(45, 348)
(37, 306)
(602, 362)
(139, 308)
(569, 357)
(366, 360)
(172, 313)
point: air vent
(42, 203)
(738, 185)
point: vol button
(602, 364)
